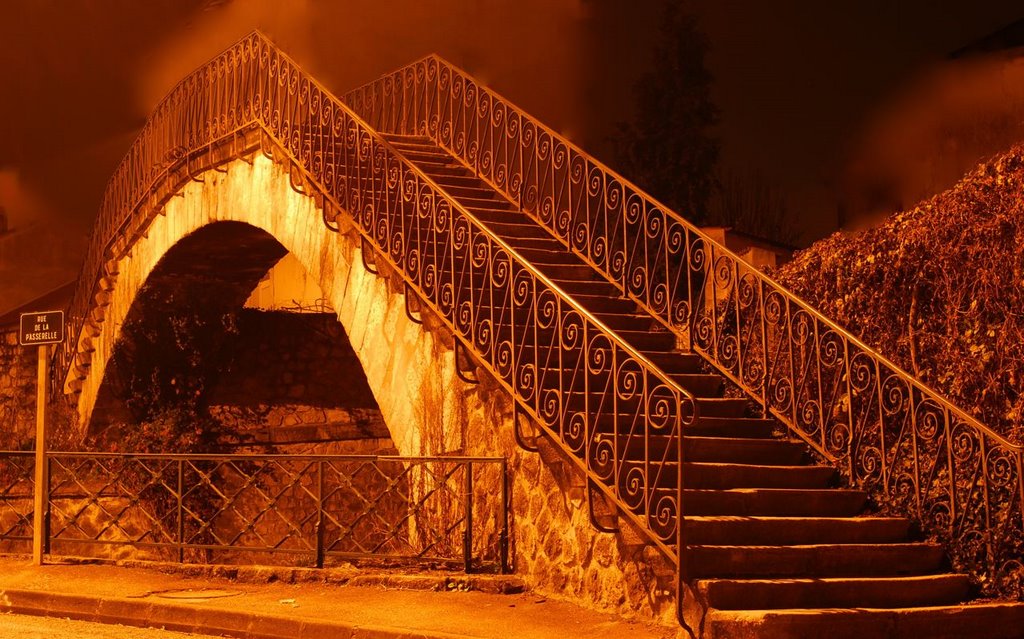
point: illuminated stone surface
(411, 371)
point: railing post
(320, 514)
(181, 511)
(467, 535)
(46, 504)
(681, 565)
(503, 535)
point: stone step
(784, 531)
(627, 321)
(424, 157)
(638, 339)
(977, 621)
(435, 171)
(575, 287)
(711, 426)
(573, 380)
(503, 215)
(835, 592)
(402, 140)
(601, 304)
(560, 255)
(774, 502)
(716, 476)
(569, 377)
(465, 181)
(568, 278)
(512, 231)
(471, 192)
(485, 203)
(699, 384)
(770, 452)
(744, 451)
(722, 406)
(731, 427)
(819, 560)
(574, 272)
(670, 362)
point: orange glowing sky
(797, 81)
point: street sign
(41, 328)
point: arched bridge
(738, 430)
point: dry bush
(939, 289)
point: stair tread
(897, 545)
(794, 519)
(988, 620)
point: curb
(494, 584)
(206, 620)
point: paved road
(25, 627)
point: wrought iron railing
(17, 483)
(298, 509)
(916, 451)
(591, 391)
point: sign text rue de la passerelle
(41, 328)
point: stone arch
(253, 207)
(411, 370)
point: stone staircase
(777, 547)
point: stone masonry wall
(411, 371)
(295, 378)
(17, 392)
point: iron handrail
(888, 431)
(350, 99)
(329, 147)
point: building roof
(1009, 37)
(55, 300)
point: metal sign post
(41, 330)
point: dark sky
(797, 81)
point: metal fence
(296, 509)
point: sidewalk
(208, 604)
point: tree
(669, 149)
(747, 202)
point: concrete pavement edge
(201, 620)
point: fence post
(467, 535)
(320, 514)
(503, 538)
(46, 504)
(181, 512)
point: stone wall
(17, 392)
(294, 378)
(411, 371)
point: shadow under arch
(189, 347)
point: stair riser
(844, 561)
(941, 590)
(572, 375)
(755, 503)
(485, 204)
(722, 407)
(991, 621)
(696, 449)
(725, 477)
(731, 428)
(638, 340)
(786, 532)
(441, 171)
